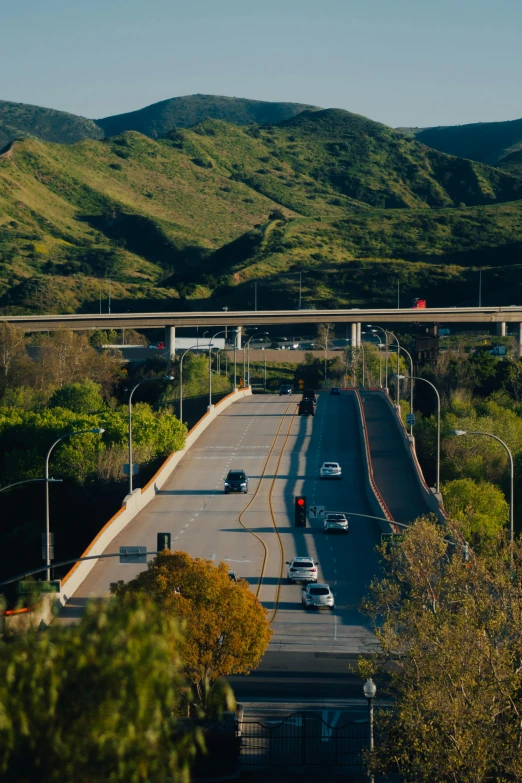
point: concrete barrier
(375, 499)
(134, 503)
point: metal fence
(302, 739)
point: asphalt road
(309, 651)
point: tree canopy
(96, 703)
(225, 626)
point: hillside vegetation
(486, 142)
(201, 213)
(188, 110)
(21, 119)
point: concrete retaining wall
(133, 503)
(375, 499)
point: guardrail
(372, 490)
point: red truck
(419, 304)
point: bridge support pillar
(354, 336)
(501, 329)
(170, 342)
(359, 335)
(238, 338)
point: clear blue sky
(402, 62)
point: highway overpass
(281, 453)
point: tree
(453, 630)
(13, 356)
(478, 509)
(96, 702)
(78, 397)
(225, 626)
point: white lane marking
(188, 523)
(197, 515)
(229, 560)
(212, 557)
(181, 532)
(335, 626)
(175, 537)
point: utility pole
(398, 293)
(109, 294)
(480, 288)
(255, 295)
(300, 288)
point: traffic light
(300, 511)
(164, 540)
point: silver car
(330, 470)
(318, 596)
(335, 522)
(301, 569)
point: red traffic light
(300, 501)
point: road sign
(392, 538)
(316, 512)
(410, 419)
(133, 554)
(301, 383)
(164, 541)
(135, 469)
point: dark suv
(236, 481)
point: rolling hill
(188, 110)
(196, 216)
(486, 142)
(20, 119)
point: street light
(192, 347)
(145, 380)
(28, 481)
(385, 333)
(210, 346)
(408, 354)
(261, 334)
(511, 479)
(369, 690)
(324, 349)
(379, 346)
(411, 378)
(95, 431)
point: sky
(401, 62)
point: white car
(318, 596)
(301, 569)
(335, 521)
(330, 470)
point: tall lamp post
(210, 346)
(385, 333)
(408, 354)
(411, 378)
(95, 431)
(369, 690)
(511, 480)
(145, 380)
(192, 348)
(29, 481)
(260, 334)
(319, 345)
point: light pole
(411, 378)
(385, 333)
(408, 354)
(379, 346)
(369, 690)
(95, 431)
(210, 346)
(145, 380)
(511, 480)
(324, 349)
(261, 334)
(28, 481)
(192, 347)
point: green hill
(486, 142)
(20, 119)
(512, 163)
(190, 220)
(188, 110)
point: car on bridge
(301, 569)
(236, 481)
(318, 596)
(330, 470)
(335, 522)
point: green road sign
(40, 587)
(391, 538)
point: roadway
(310, 651)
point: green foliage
(96, 702)
(487, 142)
(78, 397)
(453, 630)
(21, 119)
(478, 509)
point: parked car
(330, 470)
(335, 522)
(301, 569)
(236, 481)
(319, 596)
